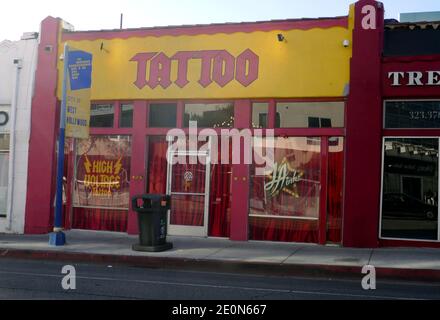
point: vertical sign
(78, 94)
(75, 110)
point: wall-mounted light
(346, 43)
(103, 49)
(280, 37)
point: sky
(18, 16)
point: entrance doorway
(188, 183)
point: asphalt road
(28, 279)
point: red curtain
(297, 201)
(102, 184)
(100, 219)
(220, 201)
(157, 166)
(285, 230)
(335, 192)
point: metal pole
(57, 238)
(122, 20)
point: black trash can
(152, 210)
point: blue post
(58, 238)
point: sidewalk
(227, 256)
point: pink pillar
(42, 164)
(240, 180)
(364, 132)
(138, 158)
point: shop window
(4, 173)
(260, 112)
(215, 115)
(284, 203)
(102, 115)
(126, 116)
(410, 189)
(101, 183)
(412, 114)
(310, 115)
(163, 115)
(157, 165)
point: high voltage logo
(102, 177)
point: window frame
(74, 177)
(6, 152)
(157, 102)
(207, 102)
(405, 129)
(118, 108)
(300, 132)
(382, 190)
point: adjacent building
(17, 69)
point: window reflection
(260, 113)
(216, 115)
(102, 115)
(412, 114)
(310, 115)
(162, 115)
(410, 189)
(126, 116)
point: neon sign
(283, 178)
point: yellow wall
(312, 63)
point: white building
(18, 61)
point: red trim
(363, 135)
(180, 112)
(117, 114)
(410, 64)
(323, 195)
(408, 243)
(242, 114)
(111, 131)
(271, 122)
(310, 132)
(138, 161)
(240, 186)
(193, 30)
(411, 133)
(411, 58)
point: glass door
(188, 184)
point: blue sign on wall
(80, 70)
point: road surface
(29, 279)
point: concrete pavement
(225, 255)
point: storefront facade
(328, 94)
(392, 136)
(411, 94)
(290, 77)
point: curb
(207, 265)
